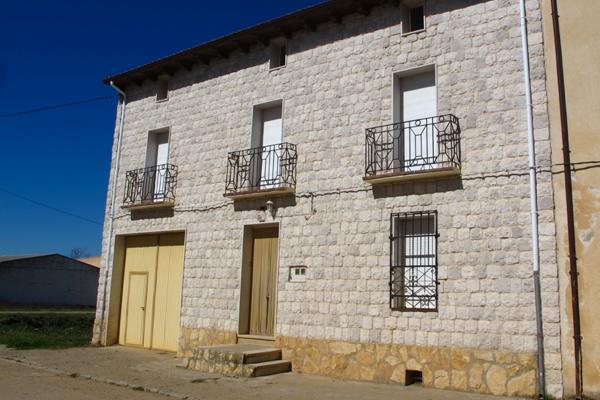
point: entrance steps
(240, 360)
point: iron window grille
(413, 146)
(155, 184)
(261, 168)
(413, 261)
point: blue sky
(58, 52)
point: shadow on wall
(228, 62)
(260, 204)
(137, 215)
(411, 188)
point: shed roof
(22, 257)
(14, 261)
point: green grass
(45, 331)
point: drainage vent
(413, 376)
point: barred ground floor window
(413, 261)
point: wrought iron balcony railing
(423, 145)
(261, 169)
(150, 186)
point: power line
(58, 210)
(508, 173)
(72, 103)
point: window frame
(407, 18)
(281, 45)
(398, 262)
(152, 145)
(162, 79)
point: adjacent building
(581, 57)
(348, 183)
(50, 280)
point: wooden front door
(167, 297)
(136, 308)
(264, 282)
(151, 298)
(138, 289)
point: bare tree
(79, 252)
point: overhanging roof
(304, 19)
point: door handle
(143, 308)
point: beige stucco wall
(338, 81)
(580, 35)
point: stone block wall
(337, 82)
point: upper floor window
(162, 88)
(278, 53)
(413, 270)
(157, 157)
(414, 17)
(269, 166)
(154, 185)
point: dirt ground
(19, 382)
(116, 372)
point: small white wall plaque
(297, 273)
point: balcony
(261, 171)
(420, 149)
(150, 187)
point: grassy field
(39, 330)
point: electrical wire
(58, 210)
(64, 105)
(508, 173)
(314, 194)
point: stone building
(348, 183)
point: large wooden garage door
(151, 301)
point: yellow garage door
(151, 301)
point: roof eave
(307, 18)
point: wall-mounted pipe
(113, 196)
(534, 207)
(566, 151)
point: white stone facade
(337, 82)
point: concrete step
(270, 368)
(260, 356)
(243, 360)
(256, 340)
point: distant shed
(47, 280)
